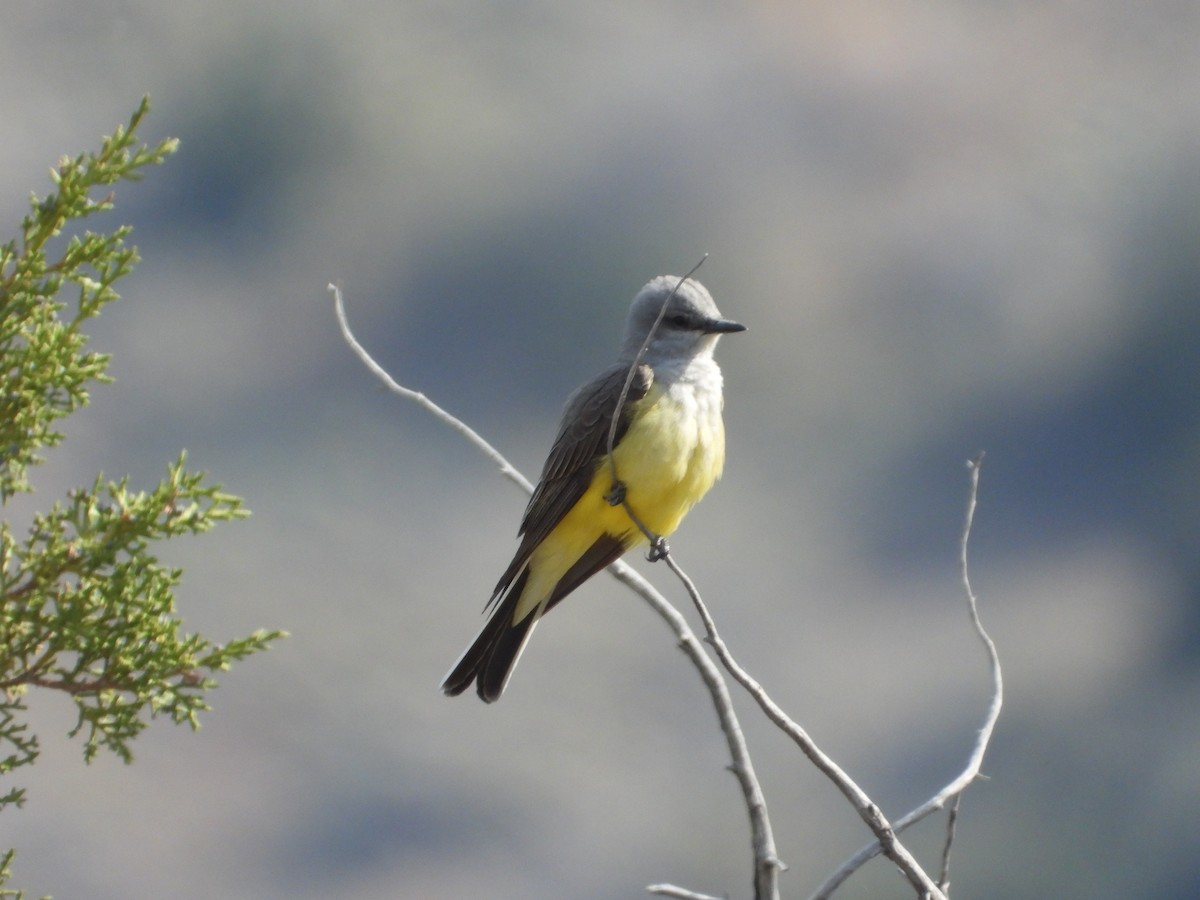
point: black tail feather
(490, 659)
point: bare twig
(951, 822)
(508, 470)
(863, 805)
(637, 361)
(658, 546)
(972, 770)
(766, 863)
(670, 890)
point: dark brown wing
(582, 439)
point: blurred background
(950, 228)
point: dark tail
(490, 660)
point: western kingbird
(669, 448)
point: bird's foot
(658, 550)
(616, 496)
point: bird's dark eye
(678, 321)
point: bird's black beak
(722, 326)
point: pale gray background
(950, 227)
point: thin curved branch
(863, 804)
(951, 823)
(658, 546)
(508, 470)
(767, 864)
(972, 770)
(670, 890)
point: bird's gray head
(689, 327)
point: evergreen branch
(85, 607)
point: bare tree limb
(658, 544)
(951, 823)
(669, 890)
(508, 470)
(767, 865)
(972, 770)
(863, 805)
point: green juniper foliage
(85, 607)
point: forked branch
(971, 772)
(767, 865)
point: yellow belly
(669, 458)
(671, 455)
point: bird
(668, 449)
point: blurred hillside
(949, 228)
